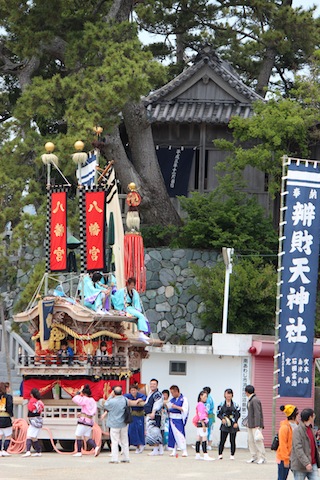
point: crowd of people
(158, 419)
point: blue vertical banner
(299, 278)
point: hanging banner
(95, 208)
(299, 279)
(45, 308)
(175, 165)
(58, 232)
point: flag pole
(285, 163)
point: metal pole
(278, 297)
(5, 343)
(46, 283)
(226, 301)
(227, 258)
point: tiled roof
(197, 112)
(164, 109)
(220, 67)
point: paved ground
(53, 466)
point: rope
(19, 438)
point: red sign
(95, 230)
(58, 232)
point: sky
(306, 4)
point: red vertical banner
(58, 232)
(95, 230)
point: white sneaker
(27, 454)
(231, 457)
(160, 448)
(207, 458)
(184, 453)
(96, 451)
(261, 461)
(140, 449)
(252, 460)
(5, 453)
(78, 454)
(220, 457)
(198, 456)
(37, 454)
(173, 453)
(154, 452)
(209, 447)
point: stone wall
(169, 302)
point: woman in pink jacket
(201, 420)
(85, 420)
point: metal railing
(51, 360)
(16, 346)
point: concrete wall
(213, 366)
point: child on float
(35, 409)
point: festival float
(61, 318)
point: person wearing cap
(305, 459)
(229, 414)
(285, 440)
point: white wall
(203, 369)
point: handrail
(17, 347)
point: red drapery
(58, 231)
(95, 230)
(99, 389)
(134, 260)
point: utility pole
(5, 343)
(227, 258)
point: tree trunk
(144, 170)
(266, 71)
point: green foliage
(244, 33)
(158, 236)
(251, 298)
(233, 220)
(279, 127)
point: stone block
(160, 299)
(177, 270)
(167, 277)
(154, 265)
(189, 328)
(163, 307)
(173, 300)
(155, 254)
(192, 306)
(169, 291)
(198, 334)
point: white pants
(256, 447)
(119, 436)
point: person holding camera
(115, 406)
(229, 414)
